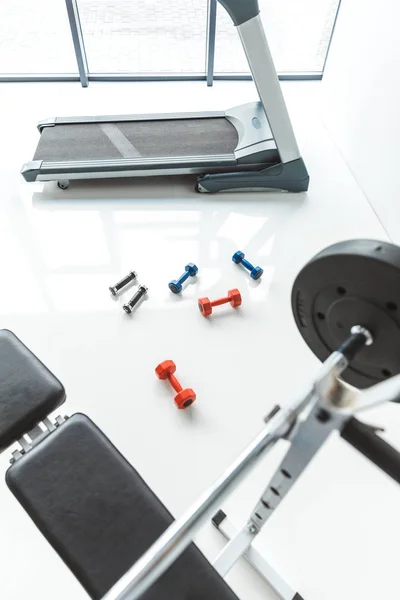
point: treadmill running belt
(149, 139)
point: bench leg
(240, 546)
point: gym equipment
(123, 283)
(205, 305)
(348, 283)
(327, 405)
(66, 472)
(247, 147)
(66, 475)
(129, 306)
(176, 285)
(239, 259)
(184, 397)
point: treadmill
(249, 147)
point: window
(35, 38)
(298, 32)
(151, 38)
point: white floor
(336, 536)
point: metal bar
(317, 76)
(112, 174)
(255, 45)
(132, 117)
(77, 38)
(283, 590)
(307, 437)
(139, 162)
(301, 76)
(39, 77)
(235, 549)
(211, 36)
(127, 77)
(331, 36)
(173, 542)
(386, 391)
(145, 77)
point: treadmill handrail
(265, 77)
(241, 11)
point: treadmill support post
(262, 67)
(245, 15)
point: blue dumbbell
(190, 271)
(239, 259)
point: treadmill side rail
(50, 122)
(84, 120)
(289, 177)
(133, 167)
(31, 170)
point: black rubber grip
(365, 440)
(218, 518)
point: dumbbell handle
(183, 277)
(220, 301)
(175, 383)
(247, 265)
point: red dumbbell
(206, 306)
(183, 398)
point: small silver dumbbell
(129, 306)
(114, 289)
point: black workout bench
(83, 495)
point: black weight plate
(356, 282)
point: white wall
(362, 101)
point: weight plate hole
(259, 516)
(378, 248)
(341, 291)
(391, 306)
(386, 373)
(321, 316)
(275, 491)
